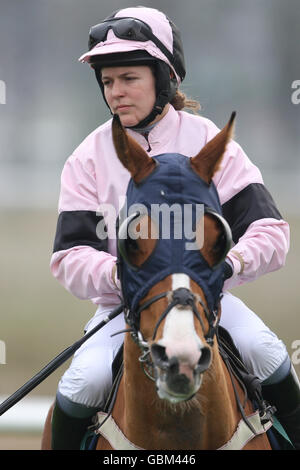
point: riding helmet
(139, 36)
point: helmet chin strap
(158, 108)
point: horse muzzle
(178, 378)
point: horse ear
(130, 153)
(208, 160)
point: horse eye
(216, 239)
(224, 240)
(220, 245)
(140, 242)
(132, 245)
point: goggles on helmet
(131, 29)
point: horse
(176, 390)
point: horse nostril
(159, 356)
(204, 361)
(173, 365)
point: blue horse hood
(173, 184)
(173, 181)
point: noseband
(181, 296)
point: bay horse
(184, 396)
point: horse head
(172, 242)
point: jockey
(138, 60)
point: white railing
(26, 416)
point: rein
(55, 363)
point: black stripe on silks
(252, 203)
(76, 228)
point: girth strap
(113, 434)
(109, 429)
(243, 434)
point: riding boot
(67, 431)
(285, 396)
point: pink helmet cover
(160, 26)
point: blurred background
(240, 55)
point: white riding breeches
(89, 378)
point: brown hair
(181, 101)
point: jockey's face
(129, 92)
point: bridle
(182, 297)
(185, 297)
(166, 258)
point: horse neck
(221, 415)
(151, 423)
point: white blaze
(179, 334)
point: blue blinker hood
(173, 182)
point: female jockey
(138, 60)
